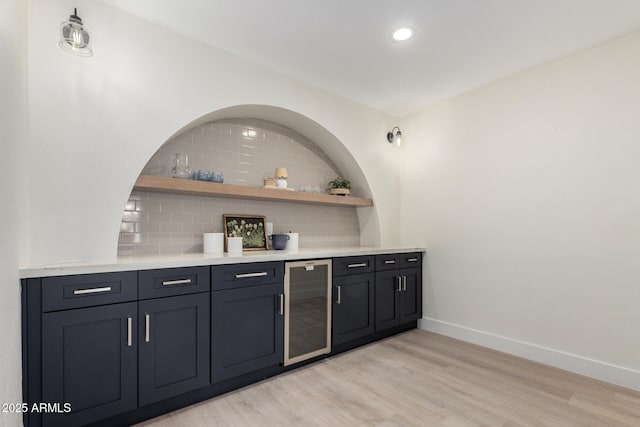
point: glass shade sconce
(74, 37)
(395, 136)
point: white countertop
(190, 260)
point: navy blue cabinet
(89, 360)
(105, 359)
(247, 330)
(353, 288)
(247, 318)
(174, 346)
(353, 314)
(398, 291)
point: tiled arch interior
(246, 151)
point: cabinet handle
(245, 275)
(176, 282)
(281, 311)
(412, 259)
(399, 278)
(404, 283)
(92, 290)
(146, 327)
(362, 264)
(129, 331)
(339, 288)
(391, 261)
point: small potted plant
(340, 187)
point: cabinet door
(411, 295)
(174, 346)
(388, 291)
(352, 307)
(89, 360)
(247, 330)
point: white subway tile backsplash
(166, 224)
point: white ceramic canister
(234, 245)
(213, 243)
(292, 243)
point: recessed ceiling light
(402, 34)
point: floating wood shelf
(162, 184)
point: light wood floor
(418, 379)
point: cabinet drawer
(387, 262)
(239, 275)
(413, 259)
(85, 290)
(353, 265)
(173, 281)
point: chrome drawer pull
(92, 290)
(412, 259)
(245, 275)
(129, 328)
(176, 282)
(391, 261)
(363, 264)
(146, 327)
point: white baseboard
(603, 371)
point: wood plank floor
(418, 379)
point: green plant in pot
(340, 187)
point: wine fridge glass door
(307, 310)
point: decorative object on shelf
(340, 187)
(281, 177)
(279, 241)
(309, 188)
(181, 168)
(213, 243)
(203, 175)
(74, 37)
(269, 183)
(251, 228)
(395, 136)
(234, 245)
(217, 177)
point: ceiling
(344, 46)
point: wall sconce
(397, 136)
(74, 37)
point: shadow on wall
(247, 150)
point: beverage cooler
(307, 322)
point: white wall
(526, 194)
(13, 138)
(94, 122)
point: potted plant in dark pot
(340, 187)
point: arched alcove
(156, 224)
